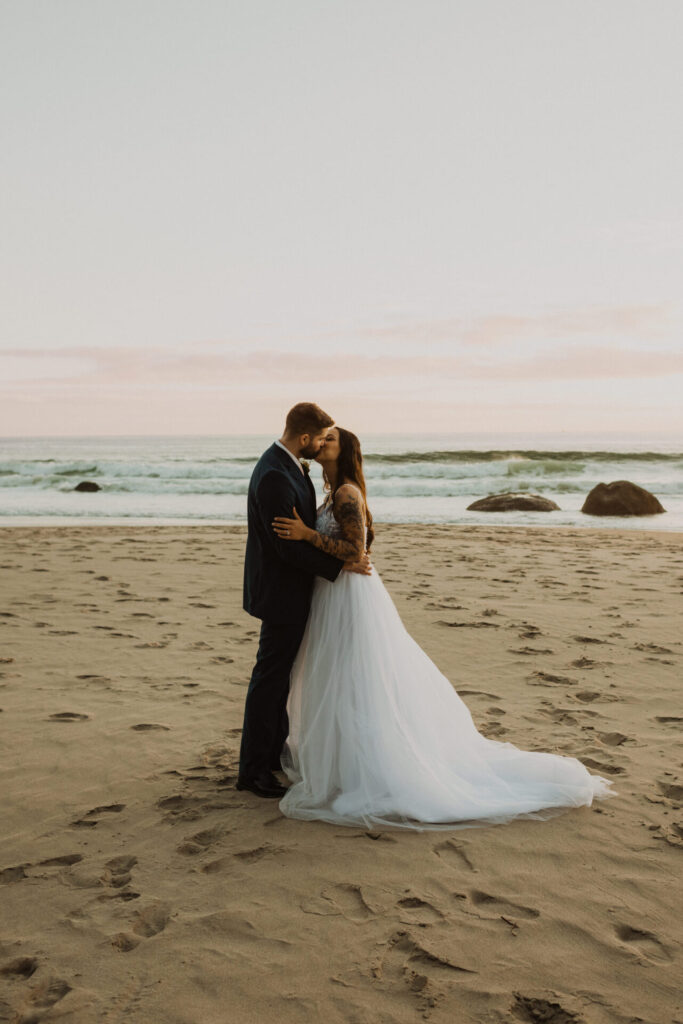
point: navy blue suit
(278, 580)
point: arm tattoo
(351, 545)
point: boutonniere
(306, 466)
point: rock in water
(87, 485)
(621, 498)
(513, 502)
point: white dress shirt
(291, 455)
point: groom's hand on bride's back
(362, 566)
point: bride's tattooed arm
(349, 513)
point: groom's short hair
(306, 418)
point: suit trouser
(266, 725)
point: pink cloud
(121, 369)
(495, 330)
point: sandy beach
(137, 885)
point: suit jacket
(278, 574)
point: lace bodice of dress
(326, 524)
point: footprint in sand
(182, 807)
(545, 678)
(414, 910)
(64, 860)
(41, 999)
(403, 961)
(502, 906)
(671, 790)
(148, 726)
(492, 730)
(444, 606)
(471, 625)
(602, 766)
(560, 715)
(68, 716)
(117, 871)
(587, 696)
(152, 920)
(20, 967)
(91, 818)
(214, 754)
(530, 1009)
(643, 943)
(13, 874)
(530, 633)
(478, 693)
(530, 650)
(227, 864)
(21, 871)
(200, 842)
(251, 856)
(125, 942)
(454, 855)
(346, 899)
(107, 809)
(584, 663)
(612, 739)
(674, 835)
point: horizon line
(369, 433)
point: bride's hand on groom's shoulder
(291, 529)
(362, 566)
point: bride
(377, 735)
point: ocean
(411, 478)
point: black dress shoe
(264, 784)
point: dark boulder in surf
(621, 498)
(87, 485)
(513, 501)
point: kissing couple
(342, 699)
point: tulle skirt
(380, 738)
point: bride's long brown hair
(350, 471)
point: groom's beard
(310, 451)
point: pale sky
(435, 215)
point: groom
(278, 580)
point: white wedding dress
(379, 737)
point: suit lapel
(311, 495)
(303, 483)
